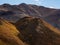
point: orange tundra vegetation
(8, 34)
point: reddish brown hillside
(35, 31)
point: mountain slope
(35, 31)
(32, 10)
(8, 34)
(13, 13)
(30, 27)
(54, 19)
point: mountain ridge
(14, 12)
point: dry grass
(8, 34)
(54, 29)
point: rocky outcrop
(35, 31)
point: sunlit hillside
(56, 30)
(8, 34)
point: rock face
(35, 32)
(8, 34)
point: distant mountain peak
(23, 3)
(6, 5)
